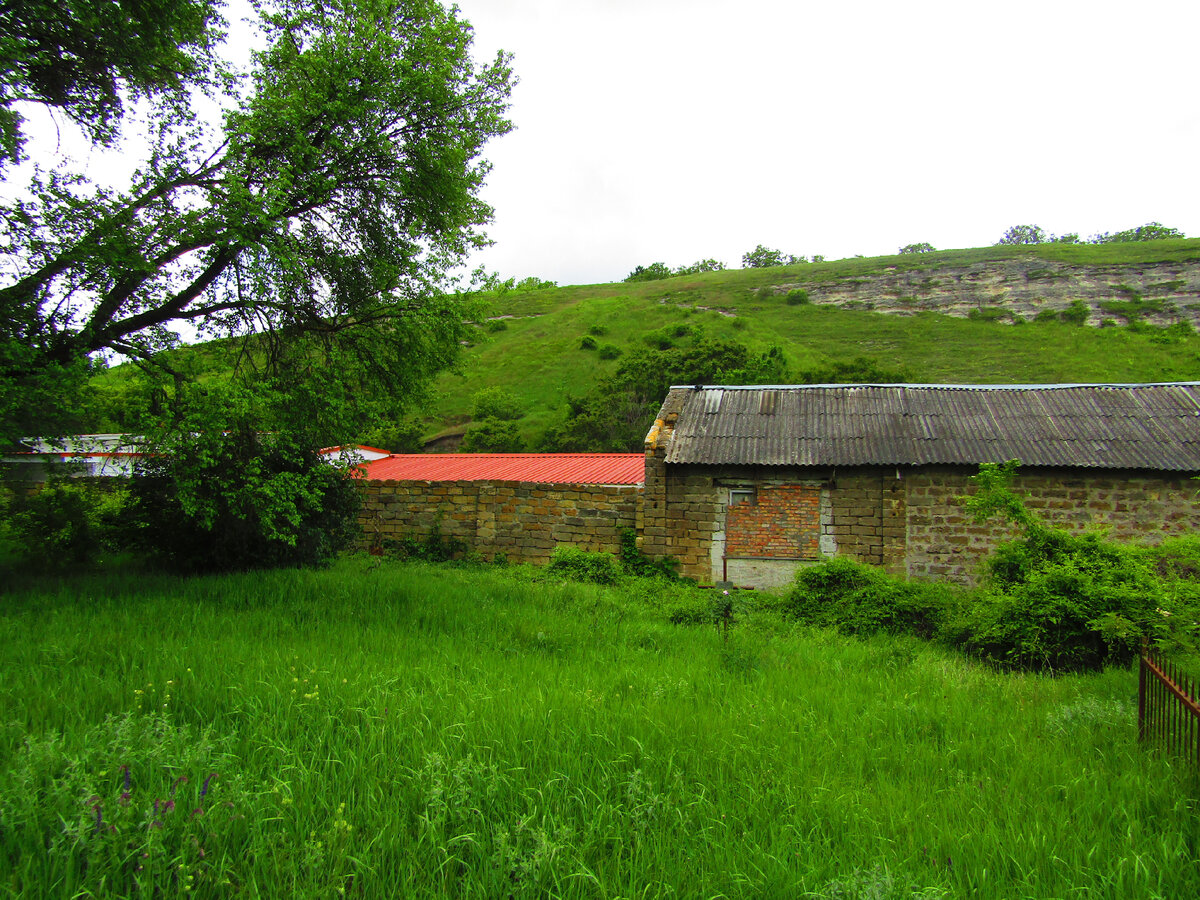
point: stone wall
(944, 541)
(521, 520)
(908, 521)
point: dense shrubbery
(857, 599)
(64, 523)
(1051, 600)
(230, 500)
(580, 565)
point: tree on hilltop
(1023, 234)
(763, 257)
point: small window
(741, 496)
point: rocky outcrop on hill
(1158, 294)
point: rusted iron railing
(1168, 714)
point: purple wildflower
(125, 769)
(204, 789)
(182, 779)
(124, 798)
(169, 806)
(99, 818)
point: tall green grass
(404, 730)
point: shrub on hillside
(580, 565)
(496, 403)
(796, 297)
(587, 343)
(493, 435)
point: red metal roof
(558, 468)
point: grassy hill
(534, 345)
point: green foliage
(609, 351)
(796, 297)
(1023, 234)
(342, 189)
(588, 343)
(763, 257)
(616, 414)
(496, 325)
(637, 563)
(496, 403)
(1058, 600)
(701, 266)
(580, 565)
(1075, 314)
(402, 436)
(1152, 231)
(652, 272)
(87, 60)
(860, 370)
(923, 247)
(435, 547)
(64, 523)
(493, 435)
(858, 599)
(217, 494)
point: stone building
(746, 484)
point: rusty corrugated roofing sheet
(1119, 426)
(556, 468)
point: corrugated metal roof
(556, 468)
(1120, 426)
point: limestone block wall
(867, 517)
(944, 541)
(522, 520)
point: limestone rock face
(1006, 289)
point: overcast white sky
(673, 130)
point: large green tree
(320, 215)
(89, 58)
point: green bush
(609, 351)
(495, 325)
(588, 343)
(492, 435)
(1056, 600)
(1075, 314)
(65, 522)
(855, 598)
(796, 297)
(496, 403)
(240, 499)
(635, 562)
(580, 565)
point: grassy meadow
(399, 729)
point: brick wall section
(784, 522)
(867, 517)
(944, 541)
(524, 521)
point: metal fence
(1168, 714)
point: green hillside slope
(539, 355)
(999, 315)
